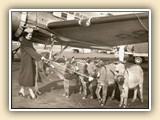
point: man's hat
(28, 30)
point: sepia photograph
(79, 59)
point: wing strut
(60, 52)
(51, 55)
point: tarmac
(52, 91)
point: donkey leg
(98, 89)
(37, 92)
(125, 98)
(121, 99)
(104, 94)
(80, 86)
(135, 94)
(84, 84)
(141, 92)
(113, 92)
(66, 88)
(91, 90)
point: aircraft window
(71, 13)
(64, 15)
(76, 18)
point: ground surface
(52, 92)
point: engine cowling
(35, 20)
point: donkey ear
(88, 60)
(116, 62)
(114, 73)
(65, 59)
(72, 60)
(85, 62)
(97, 64)
(95, 58)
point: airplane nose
(15, 20)
(18, 21)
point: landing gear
(138, 60)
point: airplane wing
(102, 31)
(94, 32)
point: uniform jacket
(28, 56)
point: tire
(138, 60)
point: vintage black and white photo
(80, 59)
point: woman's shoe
(21, 94)
(32, 94)
(33, 98)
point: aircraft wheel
(138, 60)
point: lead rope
(60, 52)
(51, 48)
(37, 92)
(70, 70)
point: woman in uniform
(28, 58)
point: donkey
(103, 73)
(85, 82)
(131, 77)
(70, 69)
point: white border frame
(81, 10)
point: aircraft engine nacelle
(16, 19)
(15, 24)
(36, 20)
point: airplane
(91, 32)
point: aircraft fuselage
(36, 20)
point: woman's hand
(43, 58)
